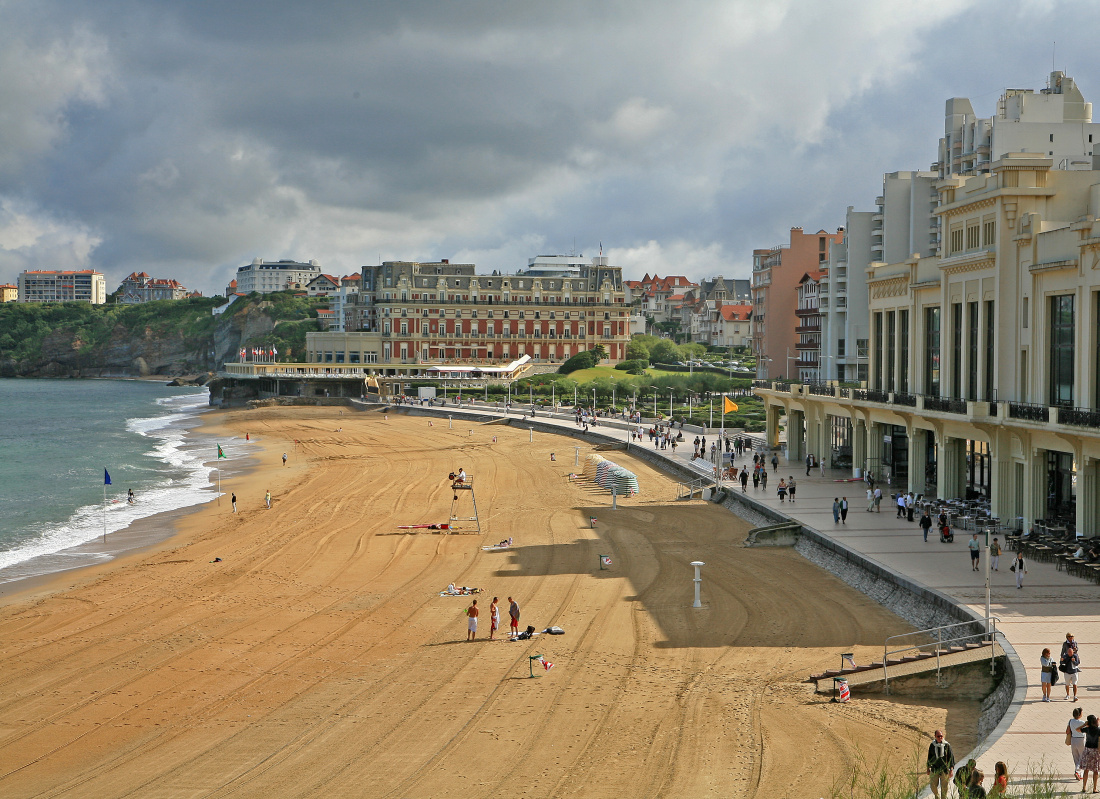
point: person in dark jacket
(941, 763)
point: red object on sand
(424, 527)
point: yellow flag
(729, 405)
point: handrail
(991, 633)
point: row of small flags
(107, 474)
(259, 352)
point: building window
(989, 233)
(932, 351)
(972, 349)
(990, 343)
(891, 333)
(1061, 350)
(903, 350)
(840, 348)
(956, 240)
(973, 241)
(878, 351)
(956, 349)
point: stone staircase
(911, 664)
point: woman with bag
(1047, 672)
(1018, 567)
(1075, 738)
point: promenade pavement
(1050, 604)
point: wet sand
(317, 658)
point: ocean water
(57, 437)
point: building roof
(58, 272)
(733, 313)
(8, 286)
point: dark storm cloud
(187, 138)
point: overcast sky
(187, 138)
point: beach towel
(554, 631)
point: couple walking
(840, 510)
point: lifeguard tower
(460, 488)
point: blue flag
(106, 478)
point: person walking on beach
(1076, 737)
(471, 627)
(513, 613)
(995, 555)
(494, 618)
(975, 547)
(844, 510)
(1069, 664)
(233, 499)
(1018, 567)
(836, 510)
(941, 763)
(790, 487)
(1090, 758)
(267, 499)
(1046, 676)
(130, 496)
(284, 459)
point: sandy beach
(318, 659)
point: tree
(636, 350)
(582, 360)
(664, 352)
(599, 352)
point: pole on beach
(219, 483)
(104, 511)
(698, 580)
(530, 434)
(614, 500)
(449, 425)
(576, 456)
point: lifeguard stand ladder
(457, 488)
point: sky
(186, 139)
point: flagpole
(722, 439)
(105, 510)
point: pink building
(776, 274)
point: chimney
(445, 261)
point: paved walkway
(1050, 604)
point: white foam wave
(186, 482)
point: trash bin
(857, 472)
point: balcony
(809, 328)
(945, 404)
(1028, 412)
(1079, 417)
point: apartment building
(138, 287)
(85, 285)
(414, 312)
(984, 359)
(776, 273)
(732, 326)
(808, 328)
(1055, 122)
(660, 298)
(266, 277)
(9, 292)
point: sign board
(426, 392)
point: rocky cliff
(109, 341)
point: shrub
(582, 360)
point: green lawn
(584, 375)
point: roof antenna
(1053, 51)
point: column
(771, 424)
(796, 436)
(1003, 489)
(1035, 485)
(916, 460)
(874, 451)
(951, 468)
(1088, 501)
(859, 447)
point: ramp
(905, 666)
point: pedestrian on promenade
(1000, 781)
(836, 510)
(233, 499)
(745, 481)
(782, 489)
(1069, 664)
(1076, 737)
(975, 548)
(1090, 759)
(471, 627)
(900, 501)
(809, 464)
(995, 554)
(870, 500)
(926, 524)
(962, 777)
(910, 505)
(878, 500)
(844, 510)
(821, 464)
(1046, 676)
(775, 463)
(764, 479)
(1018, 567)
(974, 789)
(755, 478)
(267, 499)
(941, 762)
(790, 487)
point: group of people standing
(968, 780)
(473, 613)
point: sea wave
(184, 480)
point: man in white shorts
(472, 612)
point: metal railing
(944, 404)
(955, 633)
(1079, 417)
(901, 398)
(1032, 413)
